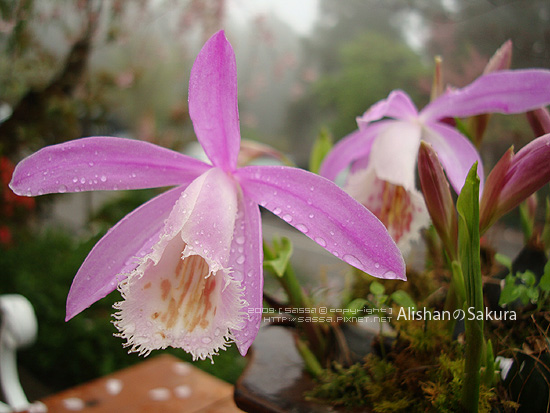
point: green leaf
(528, 278)
(504, 260)
(376, 288)
(355, 307)
(279, 256)
(357, 304)
(511, 291)
(544, 283)
(403, 299)
(321, 148)
(468, 251)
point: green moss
(423, 371)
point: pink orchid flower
(384, 149)
(188, 263)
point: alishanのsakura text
(458, 314)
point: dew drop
(103, 178)
(240, 260)
(287, 218)
(277, 211)
(352, 260)
(376, 265)
(91, 163)
(390, 275)
(303, 228)
(75, 180)
(62, 189)
(239, 240)
(82, 180)
(206, 340)
(321, 241)
(311, 216)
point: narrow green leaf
(321, 148)
(468, 247)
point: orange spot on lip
(147, 286)
(165, 286)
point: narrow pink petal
(510, 91)
(116, 254)
(398, 105)
(102, 163)
(213, 102)
(456, 153)
(327, 215)
(246, 264)
(394, 152)
(355, 146)
(501, 60)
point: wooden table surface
(161, 384)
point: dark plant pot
(275, 379)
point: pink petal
(355, 146)
(327, 215)
(246, 264)
(456, 153)
(116, 254)
(394, 152)
(205, 215)
(398, 105)
(510, 91)
(213, 102)
(102, 163)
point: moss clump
(423, 371)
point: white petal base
(402, 211)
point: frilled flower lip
(507, 92)
(231, 238)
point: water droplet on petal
(82, 180)
(376, 265)
(103, 178)
(206, 340)
(321, 241)
(240, 260)
(277, 211)
(352, 260)
(303, 228)
(62, 189)
(239, 240)
(287, 218)
(390, 275)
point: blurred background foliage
(93, 67)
